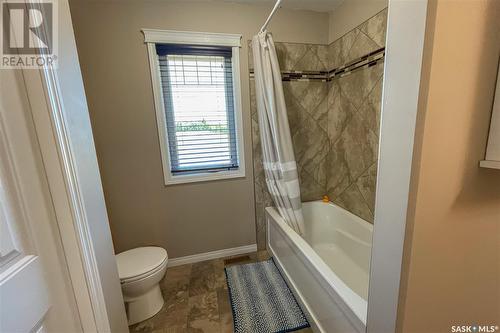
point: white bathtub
(328, 267)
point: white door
(23, 295)
(35, 289)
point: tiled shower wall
(353, 119)
(334, 124)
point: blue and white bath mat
(261, 300)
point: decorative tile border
(300, 76)
(368, 60)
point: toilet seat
(145, 275)
(139, 263)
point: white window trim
(152, 37)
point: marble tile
(309, 189)
(313, 94)
(253, 101)
(376, 28)
(225, 312)
(262, 200)
(310, 61)
(370, 110)
(174, 330)
(319, 174)
(335, 59)
(337, 170)
(367, 184)
(321, 52)
(293, 107)
(218, 264)
(261, 239)
(258, 166)
(260, 224)
(297, 56)
(340, 111)
(354, 103)
(303, 99)
(175, 293)
(295, 89)
(361, 46)
(314, 102)
(334, 125)
(220, 275)
(289, 54)
(308, 123)
(359, 84)
(173, 316)
(338, 50)
(311, 145)
(260, 236)
(206, 312)
(360, 146)
(203, 279)
(345, 44)
(260, 256)
(203, 314)
(178, 278)
(320, 113)
(367, 37)
(352, 200)
(250, 55)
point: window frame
(153, 37)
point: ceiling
(314, 5)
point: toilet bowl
(140, 271)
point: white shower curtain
(277, 150)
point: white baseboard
(234, 251)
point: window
(197, 98)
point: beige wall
(452, 259)
(350, 14)
(185, 219)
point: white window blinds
(197, 85)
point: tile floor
(196, 298)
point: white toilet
(140, 272)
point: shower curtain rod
(275, 8)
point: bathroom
(253, 151)
(333, 121)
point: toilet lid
(139, 261)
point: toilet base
(145, 306)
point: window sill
(203, 177)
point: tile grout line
(354, 181)
(357, 26)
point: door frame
(406, 26)
(44, 95)
(63, 130)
